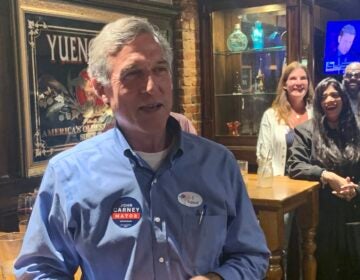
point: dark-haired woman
(327, 149)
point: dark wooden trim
(207, 96)
(231, 4)
(9, 133)
(293, 21)
(311, 62)
(137, 7)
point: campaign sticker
(126, 212)
(190, 199)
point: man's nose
(150, 84)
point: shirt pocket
(202, 241)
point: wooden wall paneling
(207, 101)
(293, 30)
(9, 143)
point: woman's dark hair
(340, 147)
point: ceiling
(347, 9)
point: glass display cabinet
(247, 59)
(244, 49)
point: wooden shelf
(250, 94)
(250, 51)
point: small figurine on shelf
(233, 128)
(259, 80)
(237, 40)
(237, 84)
(257, 35)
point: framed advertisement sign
(58, 106)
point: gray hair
(113, 37)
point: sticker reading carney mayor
(126, 212)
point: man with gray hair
(351, 82)
(143, 200)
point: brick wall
(187, 61)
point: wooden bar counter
(282, 195)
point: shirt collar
(172, 127)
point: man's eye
(132, 74)
(161, 69)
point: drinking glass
(264, 174)
(10, 245)
(23, 225)
(24, 205)
(244, 168)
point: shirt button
(161, 260)
(157, 219)
(154, 182)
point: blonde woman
(291, 107)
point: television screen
(342, 45)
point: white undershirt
(154, 160)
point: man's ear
(100, 91)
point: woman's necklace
(296, 118)
(298, 115)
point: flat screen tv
(342, 45)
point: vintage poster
(64, 107)
(57, 106)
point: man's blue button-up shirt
(102, 208)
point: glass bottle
(237, 40)
(257, 35)
(259, 79)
